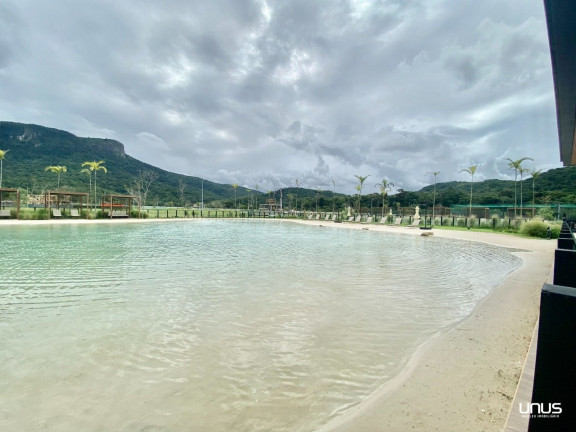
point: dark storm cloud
(261, 92)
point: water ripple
(242, 326)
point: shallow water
(218, 325)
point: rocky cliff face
(44, 140)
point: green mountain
(553, 186)
(32, 148)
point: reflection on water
(218, 325)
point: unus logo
(541, 409)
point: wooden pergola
(16, 202)
(48, 199)
(119, 205)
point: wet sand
(463, 379)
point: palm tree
(535, 174)
(516, 165)
(470, 170)
(235, 186)
(95, 167)
(522, 171)
(2, 155)
(435, 173)
(87, 171)
(58, 169)
(359, 188)
(384, 187)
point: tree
(94, 167)
(516, 165)
(2, 156)
(58, 169)
(384, 187)
(141, 185)
(181, 189)
(522, 171)
(87, 171)
(535, 174)
(235, 186)
(359, 188)
(470, 170)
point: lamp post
(333, 198)
(202, 205)
(435, 173)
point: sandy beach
(465, 378)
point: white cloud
(253, 91)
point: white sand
(465, 378)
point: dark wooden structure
(65, 197)
(119, 205)
(16, 202)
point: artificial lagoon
(219, 325)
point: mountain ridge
(31, 148)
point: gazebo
(15, 203)
(56, 198)
(119, 205)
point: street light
(202, 206)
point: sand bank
(463, 379)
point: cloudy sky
(264, 92)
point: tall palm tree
(516, 165)
(235, 186)
(470, 170)
(384, 187)
(522, 171)
(535, 174)
(318, 191)
(2, 156)
(58, 169)
(87, 171)
(359, 188)
(95, 167)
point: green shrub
(537, 228)
(25, 215)
(40, 214)
(555, 231)
(134, 214)
(546, 213)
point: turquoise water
(218, 325)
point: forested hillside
(32, 148)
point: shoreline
(461, 379)
(464, 378)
